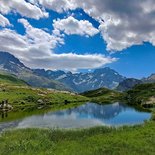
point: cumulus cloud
(24, 8)
(126, 23)
(4, 21)
(56, 5)
(35, 43)
(40, 38)
(36, 49)
(71, 26)
(122, 23)
(71, 61)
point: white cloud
(126, 23)
(56, 5)
(35, 43)
(71, 26)
(70, 61)
(4, 21)
(35, 49)
(24, 8)
(122, 25)
(39, 37)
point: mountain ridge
(12, 65)
(61, 80)
(128, 84)
(80, 82)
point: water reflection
(92, 110)
(87, 115)
(4, 114)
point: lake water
(86, 115)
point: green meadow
(135, 140)
(27, 101)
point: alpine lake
(81, 116)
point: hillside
(143, 95)
(20, 96)
(150, 79)
(128, 84)
(103, 95)
(11, 80)
(12, 65)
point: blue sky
(68, 35)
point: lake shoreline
(46, 141)
(77, 116)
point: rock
(40, 101)
(6, 107)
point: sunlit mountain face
(69, 35)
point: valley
(55, 109)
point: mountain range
(80, 82)
(77, 82)
(12, 65)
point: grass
(133, 140)
(103, 95)
(27, 100)
(141, 94)
(138, 140)
(10, 79)
(20, 97)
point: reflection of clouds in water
(54, 121)
(8, 125)
(92, 110)
(87, 115)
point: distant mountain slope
(12, 65)
(80, 82)
(11, 79)
(143, 94)
(128, 84)
(150, 79)
(102, 95)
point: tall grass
(138, 140)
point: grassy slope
(10, 79)
(138, 140)
(39, 81)
(21, 96)
(140, 93)
(24, 99)
(103, 95)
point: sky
(81, 35)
